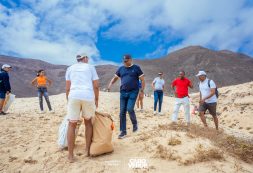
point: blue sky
(57, 30)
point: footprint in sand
(30, 161)
(12, 158)
(79, 154)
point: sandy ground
(28, 140)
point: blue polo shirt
(129, 77)
(4, 82)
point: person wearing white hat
(208, 98)
(5, 87)
(82, 92)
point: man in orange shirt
(182, 96)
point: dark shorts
(2, 95)
(211, 107)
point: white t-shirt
(158, 83)
(205, 90)
(81, 76)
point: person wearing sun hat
(5, 87)
(208, 98)
(82, 93)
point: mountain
(224, 67)
(24, 71)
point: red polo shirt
(181, 87)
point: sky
(57, 30)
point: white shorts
(75, 107)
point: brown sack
(102, 134)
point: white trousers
(186, 103)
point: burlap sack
(102, 134)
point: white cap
(6, 66)
(80, 56)
(201, 73)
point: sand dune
(28, 140)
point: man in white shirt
(82, 92)
(158, 87)
(208, 98)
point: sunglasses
(126, 59)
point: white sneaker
(141, 110)
(160, 113)
(41, 112)
(52, 111)
(155, 112)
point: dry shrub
(143, 137)
(165, 153)
(203, 155)
(239, 148)
(163, 127)
(190, 135)
(174, 141)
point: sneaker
(155, 112)
(135, 129)
(122, 135)
(2, 113)
(160, 113)
(51, 111)
(41, 112)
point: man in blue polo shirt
(129, 89)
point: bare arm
(211, 94)
(96, 91)
(202, 100)
(153, 85)
(143, 84)
(173, 89)
(33, 82)
(190, 85)
(49, 82)
(68, 84)
(114, 79)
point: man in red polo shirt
(182, 97)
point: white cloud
(51, 35)
(57, 30)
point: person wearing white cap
(208, 98)
(5, 87)
(82, 92)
